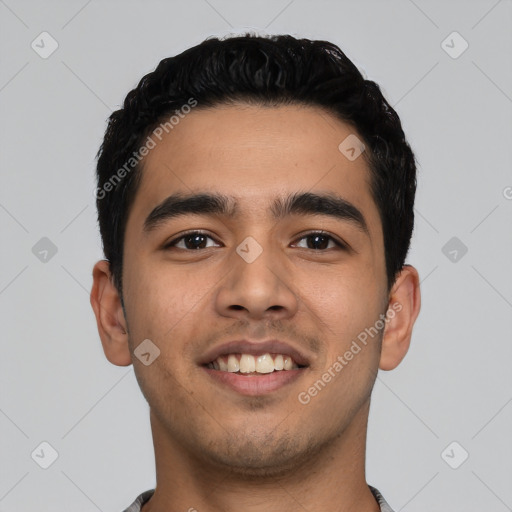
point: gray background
(454, 385)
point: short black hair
(263, 70)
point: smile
(248, 364)
(254, 375)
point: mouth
(255, 368)
(249, 364)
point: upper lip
(255, 348)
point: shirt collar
(144, 497)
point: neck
(333, 478)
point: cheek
(345, 299)
(160, 297)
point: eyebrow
(306, 203)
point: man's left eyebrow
(327, 204)
(306, 203)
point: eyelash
(173, 242)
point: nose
(261, 289)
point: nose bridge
(258, 282)
(257, 263)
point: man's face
(254, 276)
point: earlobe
(110, 319)
(403, 309)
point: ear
(106, 303)
(403, 309)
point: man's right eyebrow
(177, 205)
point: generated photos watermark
(149, 144)
(363, 337)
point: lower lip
(253, 385)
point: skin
(214, 448)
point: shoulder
(384, 506)
(139, 501)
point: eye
(195, 240)
(192, 240)
(320, 241)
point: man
(255, 199)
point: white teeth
(278, 362)
(247, 363)
(264, 364)
(233, 365)
(288, 363)
(223, 366)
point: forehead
(255, 154)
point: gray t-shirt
(144, 497)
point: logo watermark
(305, 397)
(144, 150)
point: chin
(259, 456)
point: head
(277, 139)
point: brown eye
(191, 241)
(319, 241)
